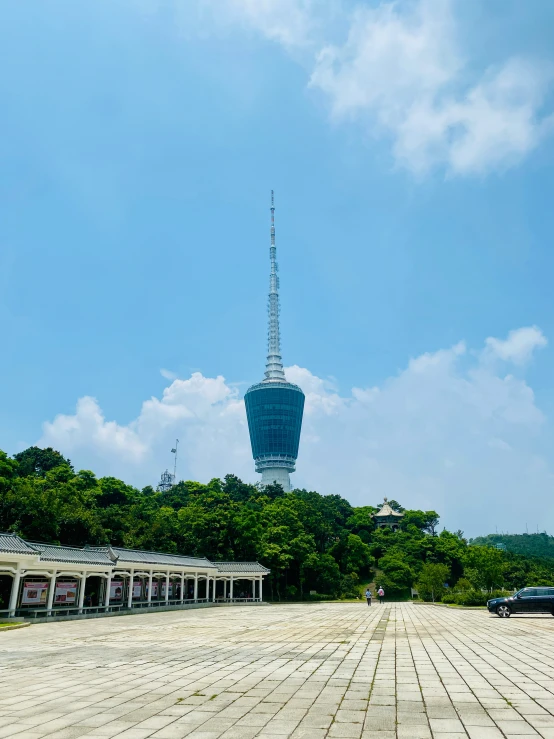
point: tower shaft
(274, 365)
(274, 407)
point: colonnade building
(50, 581)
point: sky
(410, 145)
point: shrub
(448, 598)
(349, 586)
(462, 585)
(471, 598)
(499, 594)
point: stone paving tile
(329, 671)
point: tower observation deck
(274, 407)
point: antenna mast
(274, 365)
(174, 451)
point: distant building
(274, 407)
(387, 517)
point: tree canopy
(311, 542)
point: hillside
(531, 545)
(311, 542)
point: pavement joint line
(531, 729)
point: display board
(116, 590)
(66, 593)
(34, 593)
(137, 589)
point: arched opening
(5, 591)
(93, 591)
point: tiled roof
(116, 556)
(232, 567)
(157, 558)
(13, 544)
(386, 510)
(72, 555)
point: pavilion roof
(233, 567)
(386, 510)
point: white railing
(35, 613)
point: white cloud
(448, 432)
(401, 70)
(168, 374)
(289, 22)
(518, 347)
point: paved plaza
(342, 671)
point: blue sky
(410, 147)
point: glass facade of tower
(274, 411)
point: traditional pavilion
(46, 580)
(387, 517)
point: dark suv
(528, 600)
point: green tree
(398, 576)
(483, 567)
(36, 461)
(432, 579)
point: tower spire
(274, 365)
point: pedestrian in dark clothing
(368, 596)
(381, 594)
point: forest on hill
(532, 545)
(311, 542)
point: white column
(107, 593)
(15, 592)
(182, 587)
(225, 589)
(82, 591)
(195, 586)
(130, 593)
(253, 584)
(231, 589)
(261, 583)
(51, 591)
(149, 599)
(214, 580)
(167, 587)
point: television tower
(274, 407)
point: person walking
(368, 596)
(381, 594)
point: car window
(543, 591)
(529, 593)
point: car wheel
(504, 611)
